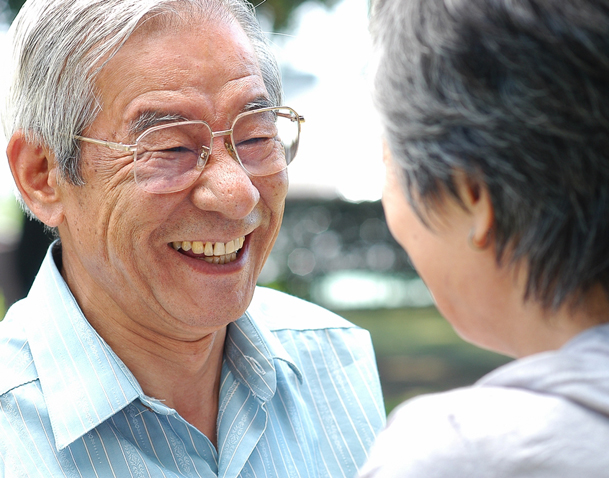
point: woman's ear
(476, 198)
(35, 172)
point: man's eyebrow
(148, 119)
(260, 102)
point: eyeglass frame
(202, 161)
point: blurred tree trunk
(280, 11)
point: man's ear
(35, 172)
(476, 198)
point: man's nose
(224, 186)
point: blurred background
(334, 248)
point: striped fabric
(300, 397)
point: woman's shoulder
(481, 411)
(489, 431)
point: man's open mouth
(212, 252)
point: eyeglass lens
(170, 158)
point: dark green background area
(418, 352)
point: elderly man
(148, 134)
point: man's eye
(178, 149)
(253, 141)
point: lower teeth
(221, 259)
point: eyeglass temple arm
(108, 144)
(298, 118)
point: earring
(477, 245)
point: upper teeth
(210, 248)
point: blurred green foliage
(15, 5)
(281, 11)
(2, 306)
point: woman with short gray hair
(496, 119)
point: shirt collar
(251, 350)
(83, 381)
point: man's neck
(184, 374)
(187, 380)
(173, 361)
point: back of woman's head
(516, 96)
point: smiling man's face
(124, 250)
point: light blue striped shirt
(300, 397)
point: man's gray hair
(516, 96)
(60, 46)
